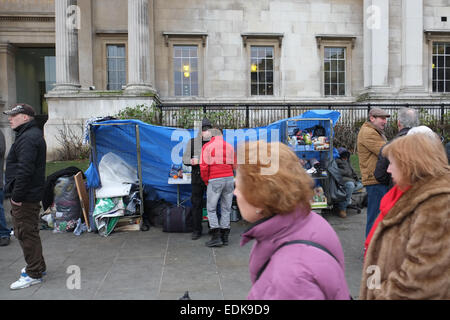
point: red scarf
(386, 204)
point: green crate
(205, 214)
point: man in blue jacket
(24, 184)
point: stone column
(139, 78)
(67, 24)
(376, 44)
(412, 45)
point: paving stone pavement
(154, 265)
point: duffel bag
(177, 219)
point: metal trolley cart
(312, 141)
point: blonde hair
(418, 157)
(283, 191)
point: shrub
(71, 144)
(142, 112)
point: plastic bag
(66, 209)
(113, 168)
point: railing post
(442, 114)
(289, 111)
(247, 116)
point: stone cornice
(335, 37)
(257, 35)
(168, 35)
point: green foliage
(224, 119)
(142, 112)
(441, 127)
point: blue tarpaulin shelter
(161, 147)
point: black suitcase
(177, 219)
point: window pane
(269, 76)
(262, 89)
(440, 62)
(447, 86)
(333, 65)
(440, 86)
(341, 65)
(270, 89)
(441, 73)
(177, 51)
(327, 77)
(447, 48)
(341, 77)
(254, 77)
(327, 89)
(262, 76)
(269, 52)
(341, 90)
(193, 52)
(327, 66)
(269, 65)
(177, 89)
(434, 86)
(333, 89)
(340, 53)
(333, 77)
(254, 89)
(441, 49)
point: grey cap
(20, 108)
(378, 112)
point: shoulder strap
(309, 243)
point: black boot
(224, 236)
(215, 239)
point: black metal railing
(256, 115)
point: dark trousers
(26, 229)
(198, 191)
(374, 195)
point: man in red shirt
(216, 168)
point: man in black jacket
(191, 157)
(24, 184)
(407, 118)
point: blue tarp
(161, 147)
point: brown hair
(283, 191)
(419, 156)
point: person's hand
(194, 161)
(16, 203)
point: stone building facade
(77, 59)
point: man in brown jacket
(370, 140)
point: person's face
(395, 172)
(248, 211)
(206, 135)
(17, 120)
(379, 122)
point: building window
(185, 70)
(334, 71)
(116, 66)
(261, 70)
(441, 67)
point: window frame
(347, 42)
(432, 37)
(185, 40)
(106, 63)
(275, 44)
(112, 40)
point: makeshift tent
(161, 147)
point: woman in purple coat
(273, 192)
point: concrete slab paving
(155, 265)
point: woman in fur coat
(408, 249)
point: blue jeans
(374, 195)
(4, 230)
(350, 187)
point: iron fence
(256, 115)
